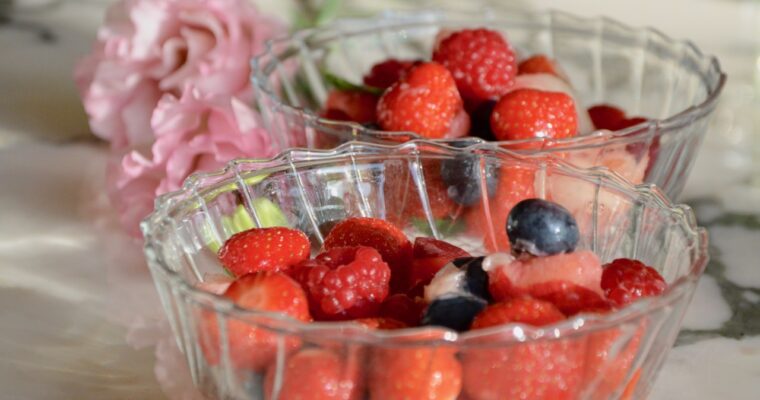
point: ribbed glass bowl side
(610, 355)
(641, 70)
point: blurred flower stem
(312, 13)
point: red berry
(649, 148)
(551, 369)
(381, 235)
(264, 249)
(403, 308)
(344, 282)
(386, 73)
(609, 357)
(488, 220)
(569, 298)
(347, 105)
(430, 255)
(538, 64)
(482, 62)
(381, 323)
(629, 122)
(316, 374)
(408, 372)
(425, 101)
(605, 116)
(524, 310)
(251, 347)
(530, 113)
(625, 280)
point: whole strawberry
(541, 370)
(425, 101)
(482, 62)
(264, 249)
(539, 64)
(351, 105)
(625, 280)
(316, 374)
(386, 73)
(344, 283)
(530, 113)
(248, 346)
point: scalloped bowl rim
(578, 325)
(389, 19)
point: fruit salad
(476, 84)
(369, 274)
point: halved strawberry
(379, 234)
(543, 275)
(488, 219)
(550, 369)
(355, 105)
(264, 249)
(568, 297)
(316, 374)
(409, 372)
(609, 357)
(250, 347)
(605, 116)
(430, 255)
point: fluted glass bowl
(640, 70)
(592, 356)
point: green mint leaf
(342, 84)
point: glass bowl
(642, 71)
(588, 356)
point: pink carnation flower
(148, 48)
(193, 133)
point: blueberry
(463, 174)
(455, 313)
(476, 279)
(541, 228)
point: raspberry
(530, 113)
(381, 235)
(344, 282)
(348, 105)
(424, 101)
(264, 249)
(386, 73)
(625, 280)
(482, 62)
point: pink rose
(193, 133)
(148, 48)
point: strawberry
(482, 62)
(524, 310)
(424, 101)
(543, 275)
(356, 106)
(264, 249)
(550, 369)
(642, 149)
(609, 356)
(539, 64)
(408, 372)
(605, 116)
(568, 297)
(530, 113)
(386, 73)
(489, 219)
(625, 280)
(381, 323)
(381, 235)
(316, 374)
(251, 347)
(344, 282)
(403, 308)
(430, 255)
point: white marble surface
(61, 338)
